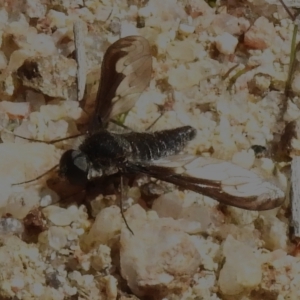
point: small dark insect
(126, 72)
(140, 22)
(259, 150)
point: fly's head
(74, 165)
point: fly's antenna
(50, 142)
(121, 206)
(38, 177)
(41, 141)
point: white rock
(242, 216)
(111, 287)
(183, 77)
(8, 86)
(3, 60)
(103, 12)
(54, 75)
(101, 258)
(17, 58)
(260, 35)
(145, 12)
(226, 43)
(209, 251)
(296, 83)
(168, 205)
(136, 212)
(189, 74)
(85, 14)
(292, 111)
(228, 23)
(17, 282)
(267, 164)
(242, 270)
(3, 18)
(42, 44)
(20, 162)
(186, 29)
(274, 233)
(196, 8)
(107, 225)
(35, 8)
(128, 29)
(57, 18)
(262, 82)
(18, 203)
(58, 216)
(207, 217)
(194, 218)
(57, 237)
(10, 226)
(37, 289)
(182, 50)
(15, 109)
(21, 266)
(48, 197)
(244, 158)
(159, 258)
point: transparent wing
(125, 73)
(223, 181)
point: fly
(125, 73)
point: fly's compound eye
(74, 166)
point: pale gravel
(260, 257)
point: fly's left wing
(125, 73)
(223, 181)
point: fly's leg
(121, 206)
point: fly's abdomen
(151, 146)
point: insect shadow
(125, 73)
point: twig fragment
(295, 194)
(80, 58)
(294, 49)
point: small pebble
(186, 29)
(57, 237)
(296, 83)
(37, 289)
(17, 283)
(58, 216)
(226, 43)
(244, 159)
(11, 225)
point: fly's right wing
(223, 181)
(125, 73)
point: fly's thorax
(105, 149)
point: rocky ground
(223, 67)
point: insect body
(106, 153)
(125, 73)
